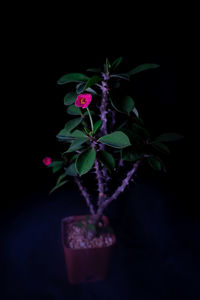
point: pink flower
(47, 161)
(83, 100)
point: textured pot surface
(85, 265)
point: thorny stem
(104, 102)
(99, 181)
(85, 195)
(117, 192)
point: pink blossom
(47, 161)
(83, 100)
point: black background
(163, 97)
(166, 98)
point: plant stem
(117, 192)
(91, 121)
(85, 195)
(99, 181)
(104, 102)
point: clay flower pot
(85, 265)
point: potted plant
(104, 135)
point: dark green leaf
(125, 105)
(93, 80)
(160, 147)
(60, 178)
(108, 65)
(79, 224)
(154, 163)
(117, 62)
(71, 170)
(120, 76)
(117, 139)
(70, 98)
(107, 160)
(72, 77)
(65, 135)
(87, 219)
(70, 125)
(56, 166)
(77, 144)
(73, 110)
(129, 154)
(58, 186)
(91, 227)
(80, 87)
(74, 157)
(97, 125)
(139, 130)
(85, 161)
(142, 67)
(169, 137)
(94, 70)
(116, 85)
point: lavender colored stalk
(117, 192)
(99, 181)
(104, 102)
(85, 195)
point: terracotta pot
(85, 265)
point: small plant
(105, 135)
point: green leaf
(58, 186)
(117, 139)
(169, 137)
(120, 76)
(76, 145)
(90, 227)
(125, 105)
(85, 161)
(71, 170)
(72, 77)
(139, 130)
(129, 154)
(73, 110)
(60, 178)
(142, 67)
(65, 135)
(108, 65)
(94, 70)
(80, 87)
(70, 125)
(74, 157)
(93, 80)
(117, 62)
(70, 98)
(154, 163)
(87, 219)
(107, 160)
(79, 224)
(56, 166)
(97, 125)
(160, 147)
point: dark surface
(157, 224)
(156, 257)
